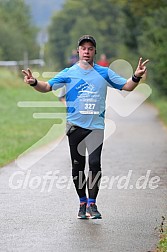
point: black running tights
(81, 140)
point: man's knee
(95, 166)
(77, 168)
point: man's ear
(95, 52)
(77, 50)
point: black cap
(88, 38)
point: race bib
(89, 106)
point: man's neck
(85, 65)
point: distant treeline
(125, 29)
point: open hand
(28, 78)
(141, 68)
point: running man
(86, 87)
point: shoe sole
(93, 217)
(82, 217)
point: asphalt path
(38, 204)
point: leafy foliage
(153, 43)
(76, 19)
(123, 29)
(16, 31)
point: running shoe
(92, 212)
(82, 211)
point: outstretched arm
(134, 80)
(40, 86)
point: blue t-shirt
(86, 93)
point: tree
(123, 28)
(101, 19)
(17, 33)
(153, 43)
(144, 34)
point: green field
(19, 130)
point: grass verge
(19, 130)
(161, 104)
(162, 244)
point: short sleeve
(59, 80)
(115, 80)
